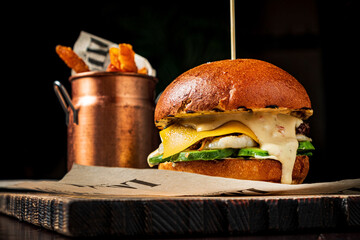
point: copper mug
(110, 119)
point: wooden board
(135, 216)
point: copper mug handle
(65, 101)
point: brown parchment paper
(90, 180)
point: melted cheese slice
(274, 132)
(177, 138)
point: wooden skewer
(232, 29)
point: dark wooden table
(256, 217)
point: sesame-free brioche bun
(232, 85)
(250, 169)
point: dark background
(316, 41)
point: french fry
(112, 68)
(115, 58)
(122, 59)
(143, 70)
(127, 58)
(71, 59)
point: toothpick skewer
(232, 29)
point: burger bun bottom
(246, 169)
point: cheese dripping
(275, 132)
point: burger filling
(243, 135)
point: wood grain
(137, 216)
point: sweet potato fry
(71, 59)
(111, 68)
(115, 58)
(122, 59)
(127, 58)
(143, 70)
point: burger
(243, 119)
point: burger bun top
(232, 86)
